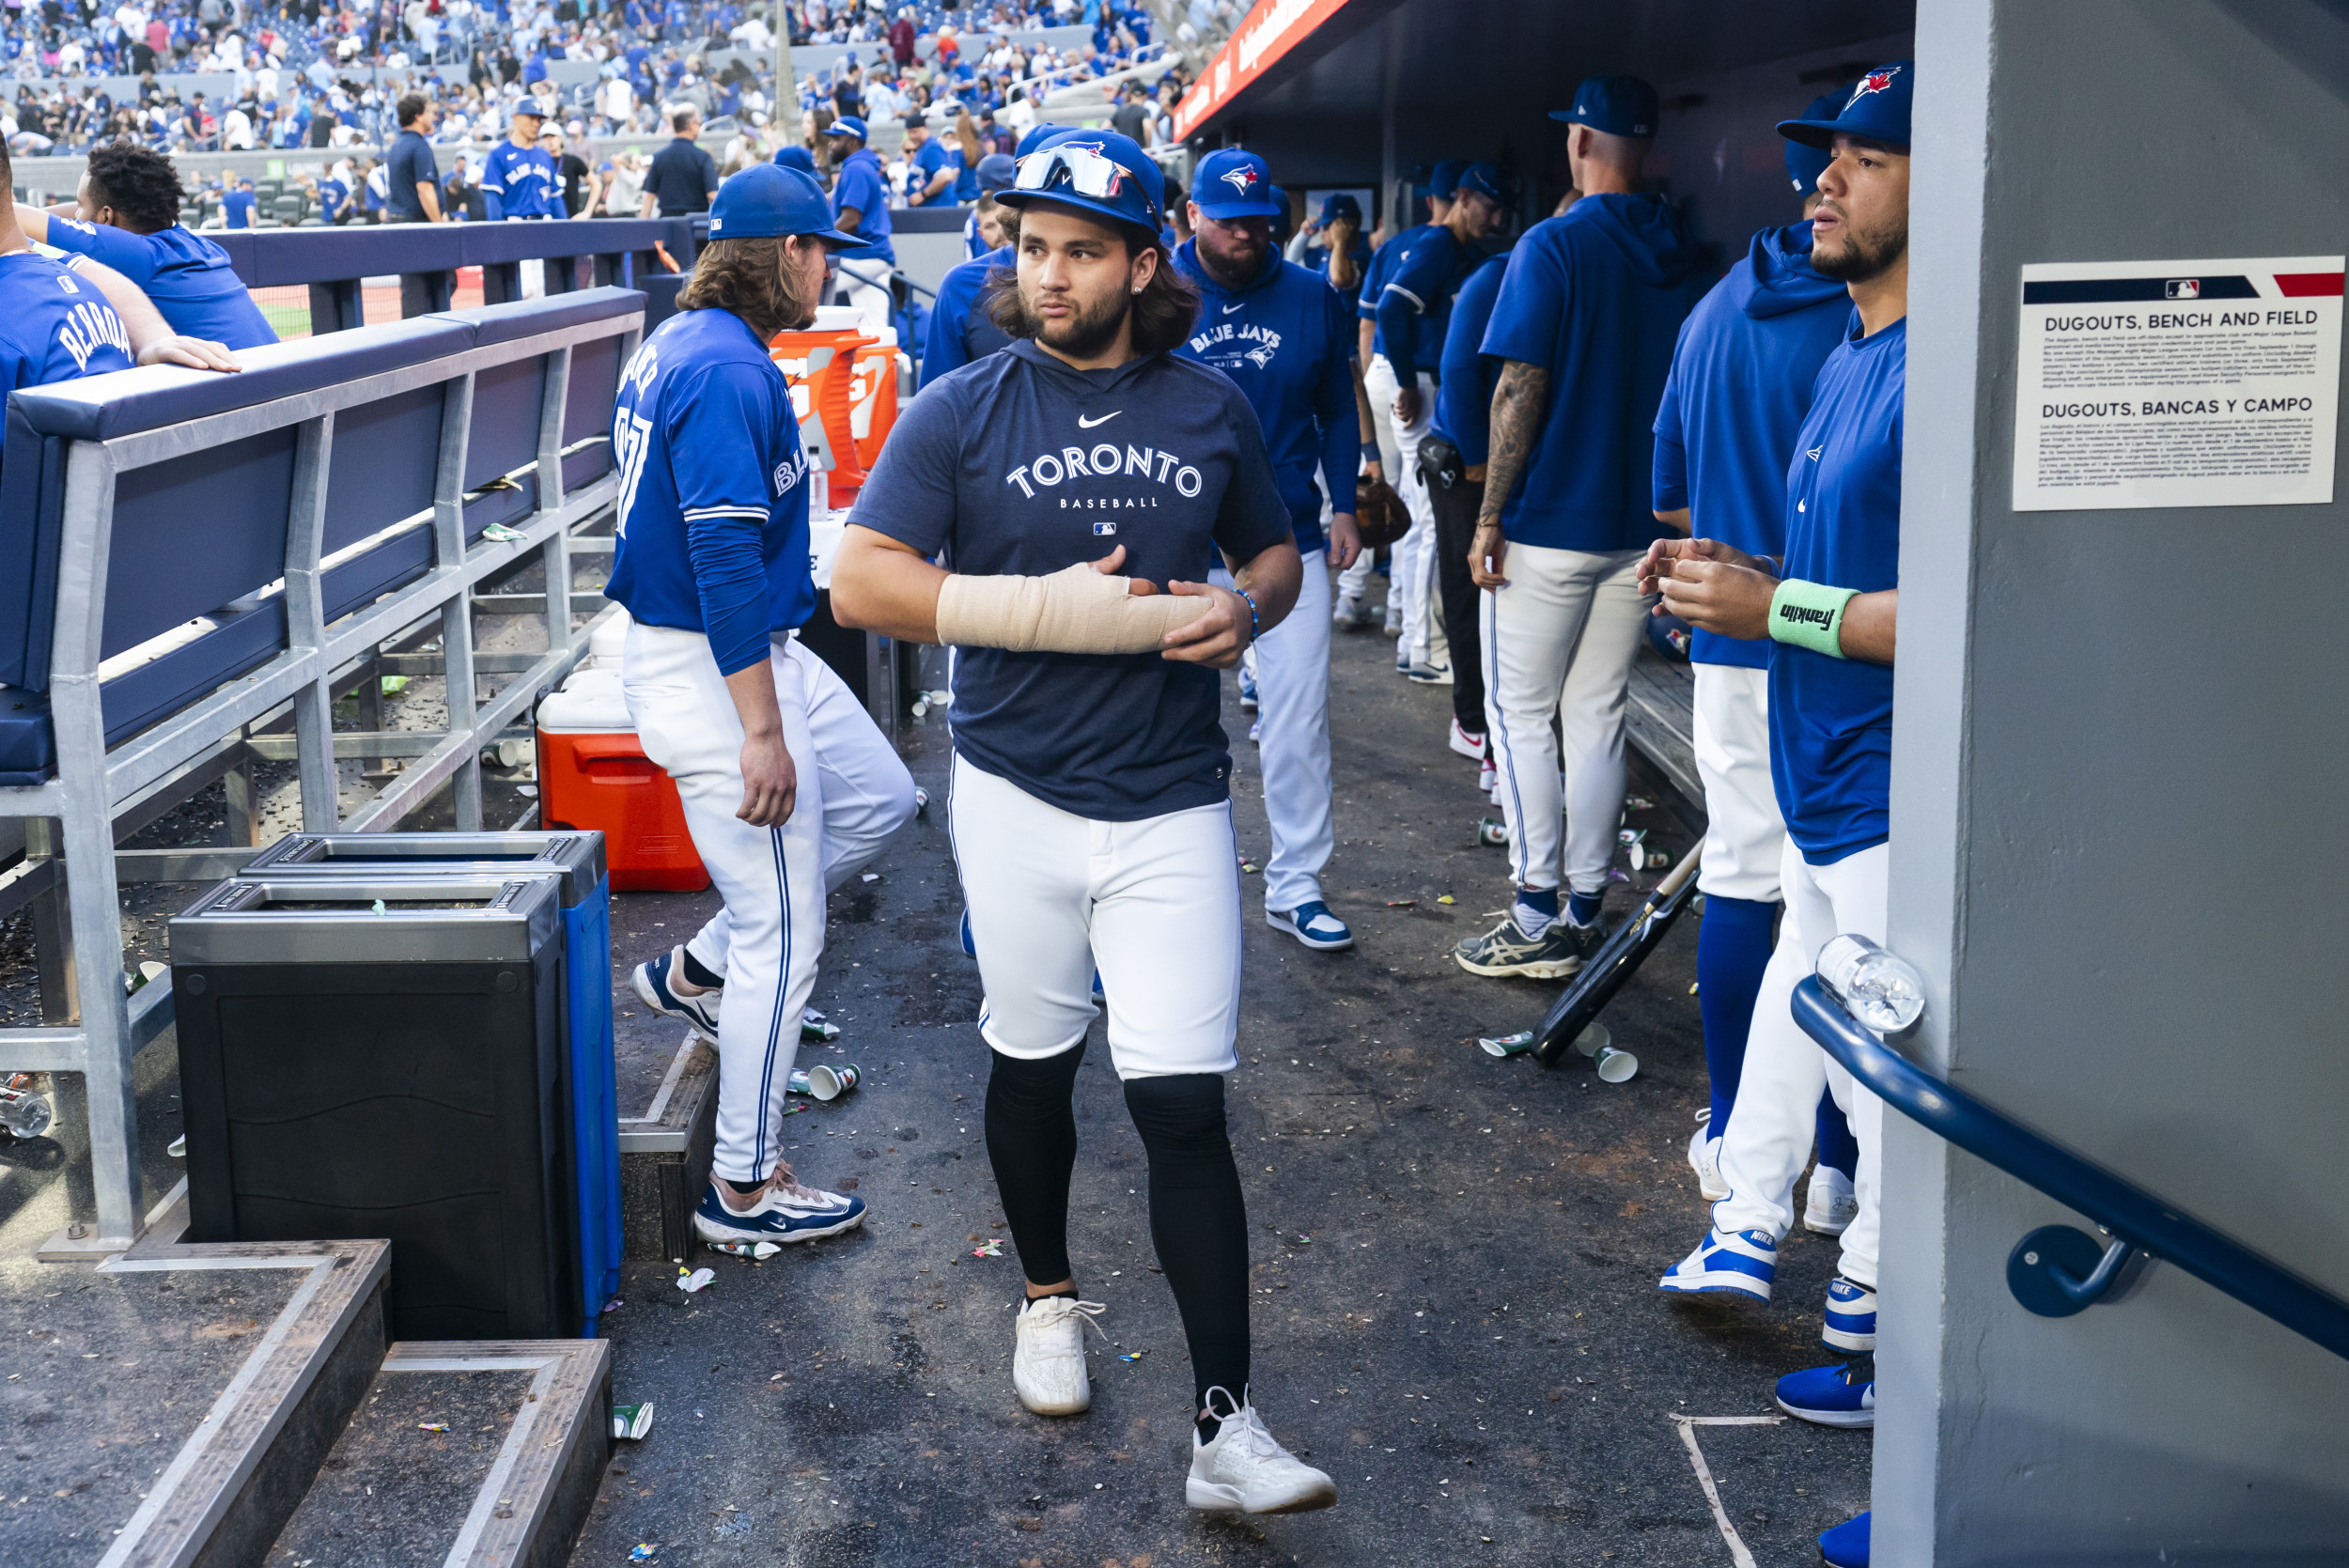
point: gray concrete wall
(2115, 845)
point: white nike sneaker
(1705, 1157)
(1829, 1205)
(1048, 1364)
(1247, 1470)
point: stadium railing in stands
(188, 558)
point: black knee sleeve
(1032, 1144)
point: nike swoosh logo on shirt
(1084, 424)
(1228, 309)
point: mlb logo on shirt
(1102, 530)
(68, 284)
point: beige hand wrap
(1075, 610)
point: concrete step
(666, 1150)
(471, 1454)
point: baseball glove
(1379, 512)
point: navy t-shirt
(410, 164)
(1019, 464)
(1740, 384)
(713, 509)
(1595, 298)
(187, 276)
(1832, 719)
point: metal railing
(2055, 1270)
(75, 813)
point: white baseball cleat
(1047, 1361)
(1247, 1470)
(1704, 1159)
(1830, 1204)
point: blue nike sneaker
(1311, 923)
(1846, 1545)
(1742, 1263)
(786, 1211)
(1841, 1396)
(970, 948)
(1100, 997)
(651, 981)
(1851, 1316)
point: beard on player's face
(1854, 255)
(1090, 326)
(1233, 251)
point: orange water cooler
(844, 388)
(593, 773)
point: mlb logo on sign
(2183, 289)
(1102, 530)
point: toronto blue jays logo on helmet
(1241, 178)
(1874, 82)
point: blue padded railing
(2055, 1270)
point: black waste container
(384, 1056)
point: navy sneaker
(652, 988)
(970, 948)
(786, 1211)
(1841, 1396)
(1311, 923)
(1846, 1545)
(1742, 1263)
(1851, 1316)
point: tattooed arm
(1517, 406)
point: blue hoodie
(1740, 385)
(1595, 298)
(1464, 392)
(1286, 339)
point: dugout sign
(2178, 384)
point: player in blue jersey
(1415, 274)
(518, 173)
(1092, 782)
(126, 216)
(1589, 308)
(1830, 607)
(1332, 244)
(1286, 338)
(1452, 466)
(712, 566)
(860, 207)
(1740, 386)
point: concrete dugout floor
(1455, 1256)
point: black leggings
(1456, 501)
(1197, 1217)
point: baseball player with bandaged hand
(1091, 813)
(712, 565)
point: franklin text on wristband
(1809, 616)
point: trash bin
(576, 860)
(383, 1056)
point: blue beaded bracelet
(1256, 618)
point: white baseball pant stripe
(1769, 1139)
(1293, 719)
(1745, 837)
(1559, 641)
(771, 878)
(1411, 561)
(868, 796)
(1153, 903)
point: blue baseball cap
(1485, 180)
(765, 202)
(1805, 163)
(1877, 109)
(1341, 206)
(1283, 225)
(1139, 199)
(1234, 184)
(848, 125)
(1036, 137)
(1446, 180)
(795, 158)
(1619, 105)
(995, 171)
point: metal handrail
(2051, 1284)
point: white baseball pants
(1768, 1141)
(1153, 904)
(1293, 719)
(771, 878)
(864, 284)
(1411, 563)
(1559, 640)
(1745, 838)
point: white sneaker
(1465, 744)
(1830, 1205)
(1246, 1469)
(1705, 1157)
(1393, 626)
(1048, 1364)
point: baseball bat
(1616, 961)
